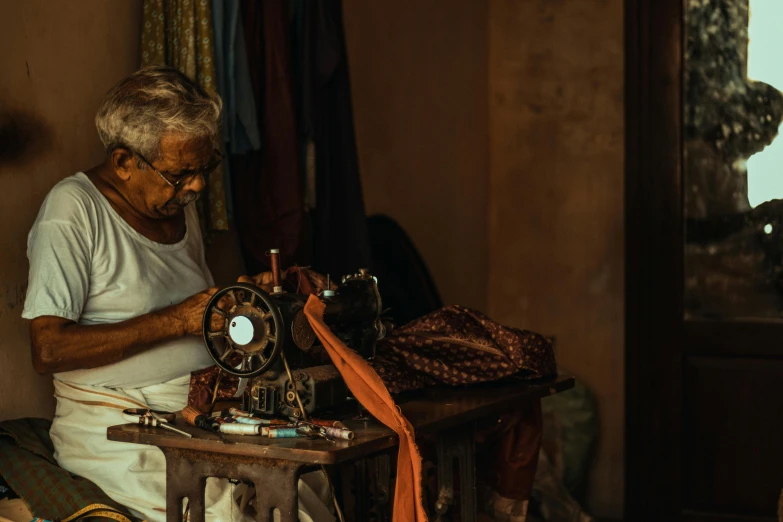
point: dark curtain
(267, 184)
(299, 72)
(339, 226)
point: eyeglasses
(184, 178)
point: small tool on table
(148, 417)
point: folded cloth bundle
(458, 345)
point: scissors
(148, 417)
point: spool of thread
(248, 420)
(262, 422)
(339, 433)
(282, 433)
(240, 429)
(274, 255)
(265, 429)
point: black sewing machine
(262, 337)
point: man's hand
(263, 280)
(191, 311)
(61, 345)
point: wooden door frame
(658, 339)
(654, 253)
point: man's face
(180, 162)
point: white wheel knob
(241, 330)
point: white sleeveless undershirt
(87, 264)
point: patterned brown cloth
(202, 387)
(457, 345)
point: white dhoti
(135, 475)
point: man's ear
(122, 161)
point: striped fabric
(27, 464)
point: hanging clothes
(232, 71)
(240, 120)
(178, 33)
(268, 190)
(325, 118)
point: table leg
(183, 480)
(383, 471)
(361, 489)
(277, 488)
(369, 471)
(276, 482)
(457, 446)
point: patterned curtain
(178, 33)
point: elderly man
(118, 285)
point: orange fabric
(368, 388)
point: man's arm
(60, 345)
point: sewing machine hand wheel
(251, 334)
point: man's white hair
(152, 102)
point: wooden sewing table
(274, 465)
